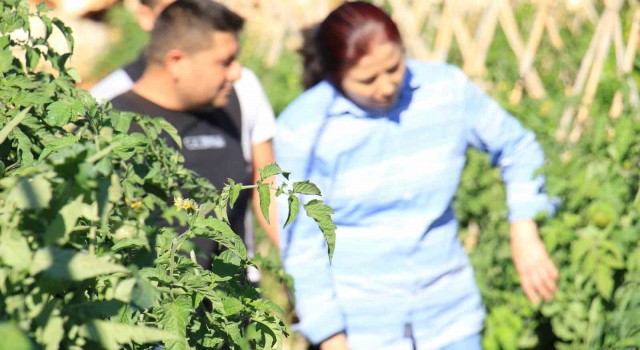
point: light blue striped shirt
(391, 179)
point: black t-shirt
(212, 145)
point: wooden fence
(431, 28)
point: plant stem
(92, 240)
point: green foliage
(95, 223)
(592, 237)
(130, 42)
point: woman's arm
(515, 150)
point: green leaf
(6, 61)
(231, 306)
(31, 193)
(58, 143)
(101, 309)
(62, 112)
(113, 335)
(306, 187)
(269, 170)
(13, 123)
(13, 338)
(169, 129)
(268, 306)
(234, 192)
(604, 281)
(64, 222)
(24, 147)
(15, 252)
(74, 74)
(121, 121)
(321, 213)
(294, 208)
(124, 290)
(220, 232)
(71, 265)
(145, 294)
(33, 58)
(264, 194)
(175, 316)
(53, 333)
(130, 243)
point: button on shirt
(391, 178)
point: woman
(385, 140)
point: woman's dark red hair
(346, 35)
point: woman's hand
(337, 342)
(538, 274)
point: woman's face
(374, 83)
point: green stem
(96, 157)
(92, 240)
(4, 133)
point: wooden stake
(444, 36)
(532, 81)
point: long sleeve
(303, 248)
(511, 147)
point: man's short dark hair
(186, 25)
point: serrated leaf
(231, 306)
(306, 187)
(234, 192)
(175, 314)
(112, 335)
(294, 209)
(220, 232)
(266, 305)
(269, 170)
(62, 112)
(169, 129)
(58, 143)
(24, 147)
(121, 121)
(71, 265)
(264, 195)
(321, 213)
(263, 334)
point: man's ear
(145, 16)
(176, 62)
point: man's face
(206, 77)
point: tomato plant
(95, 222)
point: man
(190, 68)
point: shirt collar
(342, 105)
